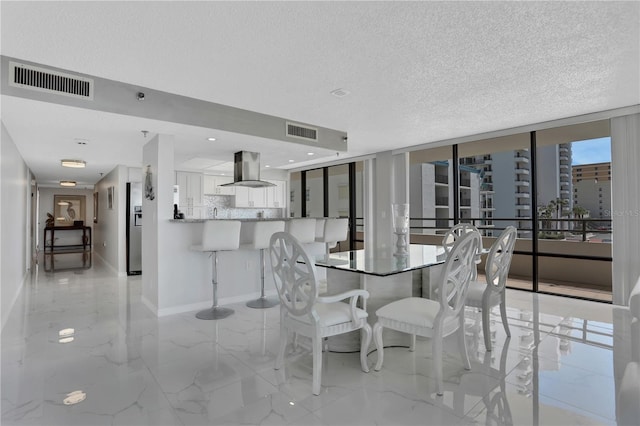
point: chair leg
(462, 343)
(437, 362)
(364, 347)
(377, 337)
(503, 315)
(317, 364)
(486, 327)
(283, 346)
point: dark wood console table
(81, 246)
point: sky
(591, 151)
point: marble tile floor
(132, 368)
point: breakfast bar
(190, 273)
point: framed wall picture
(110, 195)
(68, 209)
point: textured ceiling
(417, 72)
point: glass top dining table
(383, 263)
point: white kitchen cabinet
(250, 197)
(276, 194)
(212, 185)
(190, 187)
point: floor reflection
(66, 261)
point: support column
(157, 249)
(386, 181)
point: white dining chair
(435, 319)
(485, 295)
(454, 233)
(305, 313)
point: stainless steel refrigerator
(134, 228)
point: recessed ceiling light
(310, 153)
(267, 166)
(77, 164)
(291, 161)
(211, 139)
(340, 93)
(67, 183)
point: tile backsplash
(223, 207)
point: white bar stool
(258, 235)
(303, 229)
(217, 235)
(335, 230)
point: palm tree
(545, 213)
(579, 212)
(558, 205)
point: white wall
(15, 204)
(109, 234)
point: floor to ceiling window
(314, 193)
(574, 210)
(334, 191)
(495, 192)
(553, 185)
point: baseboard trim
(153, 308)
(16, 296)
(180, 309)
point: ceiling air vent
(45, 80)
(299, 131)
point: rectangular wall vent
(49, 81)
(299, 131)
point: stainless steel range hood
(246, 170)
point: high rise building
(495, 189)
(592, 188)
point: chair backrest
(499, 259)
(293, 273)
(221, 235)
(303, 229)
(257, 235)
(456, 274)
(456, 232)
(335, 230)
